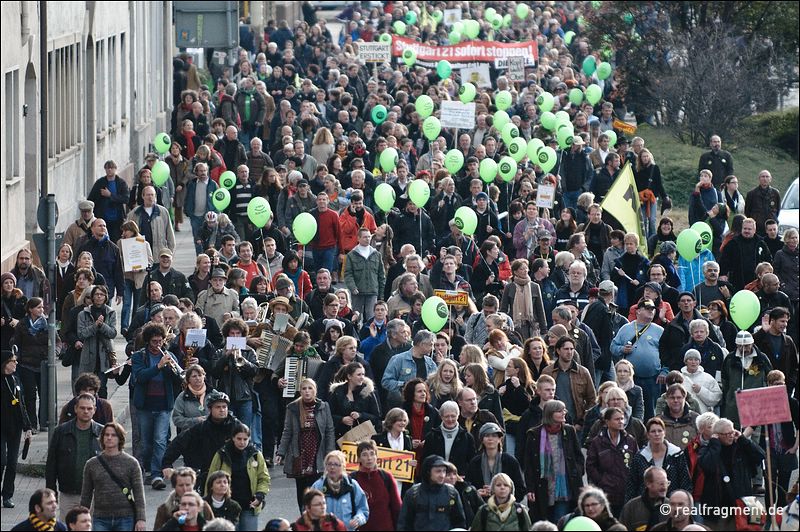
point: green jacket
(256, 470)
(364, 276)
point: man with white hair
(231, 150)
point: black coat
(509, 466)
(61, 454)
(461, 453)
(365, 402)
(198, 445)
(329, 370)
(739, 467)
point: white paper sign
(134, 254)
(478, 75)
(195, 337)
(451, 16)
(236, 342)
(457, 114)
(516, 68)
(374, 52)
(545, 196)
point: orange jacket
(348, 229)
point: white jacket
(710, 393)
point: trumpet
(173, 365)
(238, 359)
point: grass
(678, 163)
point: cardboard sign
(360, 432)
(453, 297)
(457, 115)
(134, 254)
(399, 463)
(374, 52)
(478, 75)
(628, 129)
(763, 406)
(516, 68)
(545, 196)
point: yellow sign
(628, 129)
(401, 464)
(453, 297)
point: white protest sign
(134, 254)
(374, 52)
(458, 115)
(236, 342)
(516, 68)
(195, 337)
(478, 75)
(451, 16)
(545, 196)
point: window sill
(15, 180)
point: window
(64, 104)
(100, 84)
(123, 72)
(12, 123)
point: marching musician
(234, 370)
(192, 354)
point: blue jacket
(141, 374)
(645, 356)
(342, 504)
(691, 274)
(369, 342)
(401, 369)
(188, 205)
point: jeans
(651, 391)
(649, 223)
(571, 199)
(113, 523)
(559, 510)
(31, 387)
(9, 455)
(197, 225)
(243, 410)
(364, 304)
(130, 302)
(66, 502)
(510, 444)
(247, 520)
(601, 376)
(326, 258)
(154, 431)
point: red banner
(466, 52)
(763, 406)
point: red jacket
(384, 508)
(329, 522)
(327, 229)
(348, 229)
(695, 471)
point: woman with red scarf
(421, 414)
(188, 140)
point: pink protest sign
(763, 406)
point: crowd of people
(592, 372)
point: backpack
(518, 509)
(387, 483)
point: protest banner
(453, 297)
(398, 463)
(477, 74)
(763, 406)
(467, 53)
(374, 52)
(628, 129)
(516, 68)
(134, 254)
(545, 196)
(458, 115)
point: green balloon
(384, 197)
(259, 211)
(467, 92)
(431, 127)
(454, 37)
(466, 220)
(581, 523)
(221, 199)
(500, 119)
(568, 37)
(411, 17)
(546, 158)
(507, 168)
(497, 22)
(378, 114)
(385, 38)
(545, 101)
(489, 13)
(522, 11)
(576, 96)
(458, 27)
(565, 137)
(438, 15)
(454, 161)
(443, 69)
(745, 309)
(503, 100)
(509, 133)
(596, 4)
(388, 159)
(517, 148)
(424, 106)
(160, 173)
(628, 18)
(409, 57)
(612, 137)
(162, 143)
(399, 27)
(706, 235)
(562, 117)
(435, 313)
(548, 120)
(593, 94)
(689, 244)
(603, 70)
(534, 145)
(419, 192)
(589, 65)
(304, 227)
(227, 180)
(507, 20)
(488, 170)
(472, 28)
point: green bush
(777, 129)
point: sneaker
(158, 484)
(8, 503)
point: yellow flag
(622, 204)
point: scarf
(487, 472)
(449, 438)
(37, 326)
(200, 393)
(552, 463)
(627, 386)
(522, 308)
(189, 135)
(503, 510)
(647, 199)
(38, 524)
(306, 411)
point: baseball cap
(543, 234)
(482, 195)
(606, 287)
(647, 303)
(578, 140)
(165, 252)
